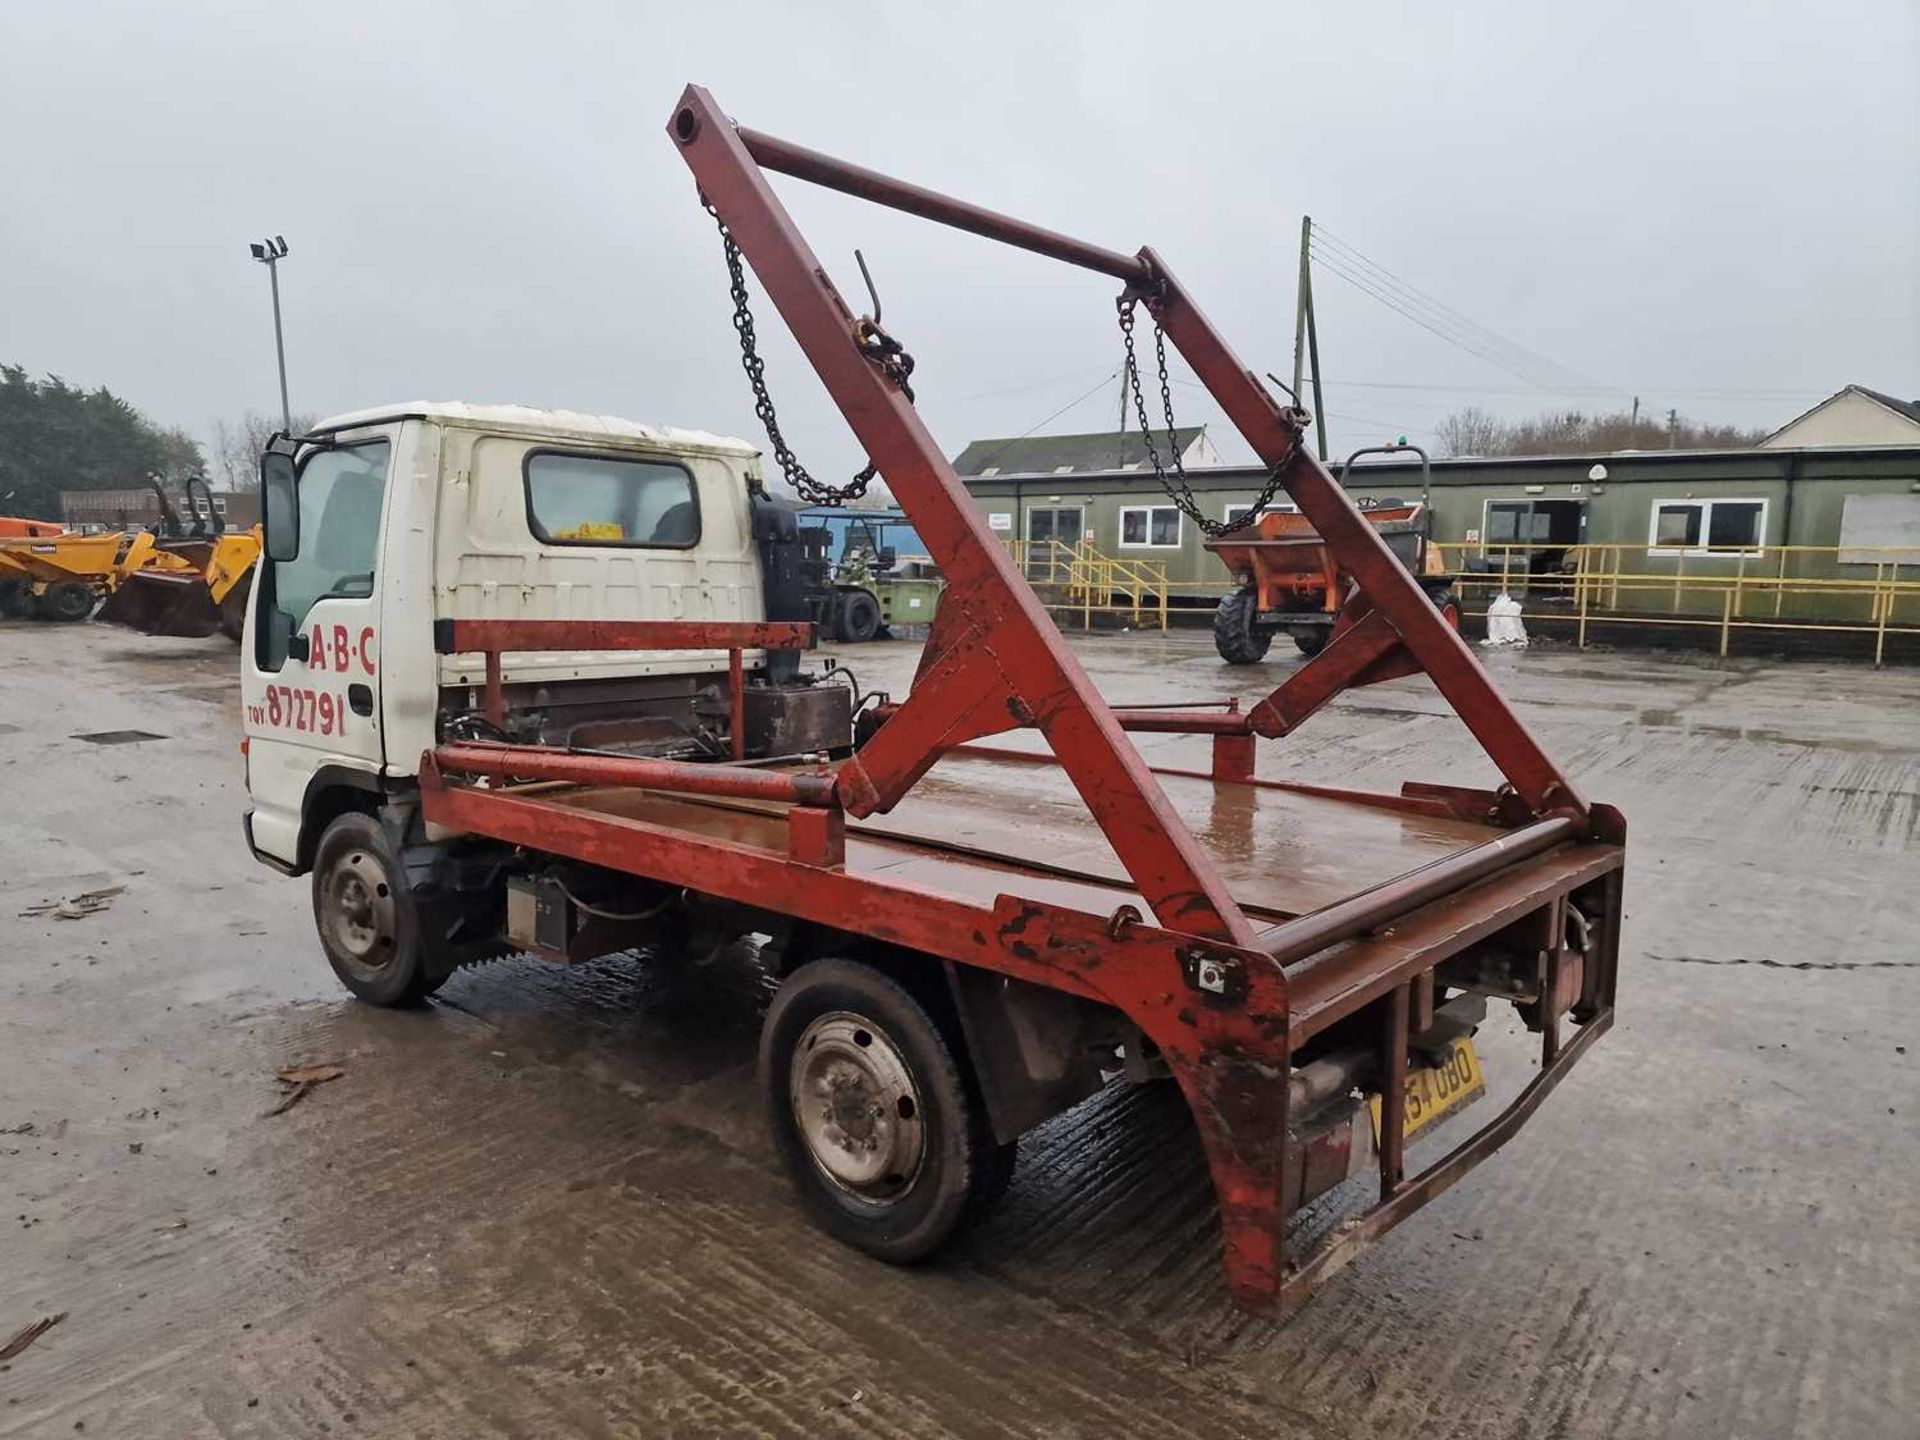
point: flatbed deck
(978, 827)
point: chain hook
(867, 275)
(874, 343)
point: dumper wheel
(1235, 636)
(366, 916)
(68, 600)
(1440, 592)
(16, 601)
(873, 1113)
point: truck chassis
(1234, 962)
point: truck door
(311, 687)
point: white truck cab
(383, 522)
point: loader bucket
(159, 602)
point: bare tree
(1471, 431)
(1573, 432)
(238, 444)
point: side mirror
(279, 506)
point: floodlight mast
(271, 252)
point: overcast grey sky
(1712, 203)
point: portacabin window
(611, 500)
(1707, 527)
(1150, 527)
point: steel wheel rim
(856, 1107)
(360, 912)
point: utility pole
(1300, 307)
(1633, 425)
(1673, 429)
(270, 253)
(1306, 337)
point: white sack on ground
(1504, 626)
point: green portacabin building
(1685, 513)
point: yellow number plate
(1435, 1091)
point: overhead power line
(1374, 279)
(1437, 313)
(1079, 399)
(1707, 392)
(1535, 376)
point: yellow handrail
(1090, 580)
(1595, 577)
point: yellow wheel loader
(190, 582)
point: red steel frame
(995, 662)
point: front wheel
(233, 608)
(1235, 636)
(872, 1113)
(1440, 594)
(365, 913)
(1311, 642)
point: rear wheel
(873, 1115)
(365, 913)
(1235, 636)
(67, 601)
(859, 617)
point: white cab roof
(566, 424)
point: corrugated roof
(1056, 454)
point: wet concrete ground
(544, 1205)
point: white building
(1853, 416)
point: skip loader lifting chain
(969, 938)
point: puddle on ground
(1761, 735)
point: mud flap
(158, 603)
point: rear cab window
(610, 500)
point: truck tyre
(1235, 635)
(859, 617)
(1311, 642)
(365, 913)
(878, 1125)
(67, 600)
(16, 601)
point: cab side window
(340, 499)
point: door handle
(360, 699)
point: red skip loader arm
(1001, 642)
(1002, 652)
